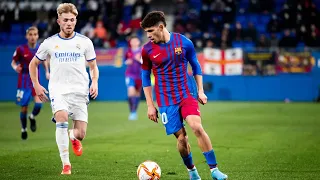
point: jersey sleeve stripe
(40, 58)
(91, 59)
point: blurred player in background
(20, 63)
(133, 76)
(167, 55)
(69, 81)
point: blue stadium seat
(248, 45)
(26, 26)
(261, 28)
(241, 18)
(300, 46)
(265, 19)
(3, 36)
(16, 28)
(237, 44)
(253, 18)
(16, 39)
(122, 44)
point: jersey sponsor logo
(178, 50)
(65, 57)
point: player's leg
(62, 139)
(36, 110)
(77, 134)
(23, 121)
(23, 99)
(190, 112)
(60, 110)
(79, 115)
(131, 91)
(172, 120)
(137, 94)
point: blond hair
(31, 29)
(67, 8)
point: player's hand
(202, 98)
(47, 75)
(41, 92)
(137, 57)
(94, 89)
(18, 68)
(153, 113)
(128, 61)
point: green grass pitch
(252, 141)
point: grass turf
(252, 141)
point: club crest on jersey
(56, 47)
(78, 46)
(178, 50)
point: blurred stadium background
(250, 50)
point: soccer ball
(149, 170)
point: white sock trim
(71, 134)
(31, 116)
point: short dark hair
(152, 19)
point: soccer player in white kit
(69, 52)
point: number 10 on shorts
(164, 118)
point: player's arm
(197, 72)
(90, 55)
(146, 83)
(46, 66)
(128, 59)
(40, 56)
(94, 71)
(14, 63)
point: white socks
(62, 140)
(71, 134)
(31, 116)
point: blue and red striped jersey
(23, 56)
(169, 64)
(134, 70)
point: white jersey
(67, 63)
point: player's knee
(81, 134)
(24, 109)
(197, 129)
(131, 91)
(182, 140)
(61, 116)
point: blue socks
(133, 103)
(36, 109)
(211, 159)
(188, 161)
(23, 120)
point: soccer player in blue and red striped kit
(133, 76)
(20, 63)
(167, 55)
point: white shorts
(76, 105)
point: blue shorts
(24, 96)
(131, 82)
(172, 116)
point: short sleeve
(146, 63)
(17, 54)
(90, 54)
(42, 51)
